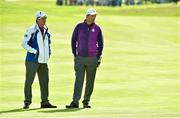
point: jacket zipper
(43, 46)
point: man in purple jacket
(87, 46)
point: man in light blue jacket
(37, 44)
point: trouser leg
(90, 78)
(31, 69)
(43, 75)
(79, 80)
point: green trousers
(84, 66)
(43, 74)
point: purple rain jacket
(87, 40)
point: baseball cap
(91, 12)
(40, 14)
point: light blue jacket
(38, 50)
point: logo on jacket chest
(93, 30)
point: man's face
(42, 21)
(91, 18)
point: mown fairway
(140, 71)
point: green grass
(139, 75)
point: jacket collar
(37, 27)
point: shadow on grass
(18, 110)
(44, 110)
(62, 110)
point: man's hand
(99, 61)
(37, 54)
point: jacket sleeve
(74, 40)
(25, 44)
(100, 41)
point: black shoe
(48, 105)
(86, 106)
(72, 105)
(26, 105)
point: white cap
(40, 14)
(91, 12)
